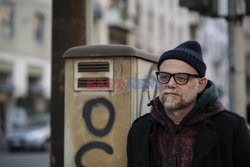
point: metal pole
(237, 87)
(68, 30)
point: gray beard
(171, 106)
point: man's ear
(202, 84)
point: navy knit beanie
(189, 52)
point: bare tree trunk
(68, 30)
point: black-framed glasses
(180, 78)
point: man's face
(175, 96)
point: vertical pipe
(237, 87)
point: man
(187, 125)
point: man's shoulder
(231, 115)
(229, 118)
(142, 120)
(141, 126)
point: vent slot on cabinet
(93, 67)
(93, 74)
(94, 83)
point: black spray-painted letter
(87, 112)
(98, 132)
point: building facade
(25, 52)
(145, 24)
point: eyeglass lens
(179, 78)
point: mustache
(169, 91)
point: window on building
(34, 80)
(5, 84)
(36, 101)
(115, 3)
(34, 85)
(117, 35)
(98, 12)
(125, 9)
(39, 27)
(120, 5)
(7, 19)
(5, 77)
(193, 29)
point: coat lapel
(204, 142)
(145, 156)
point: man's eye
(182, 77)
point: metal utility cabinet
(106, 88)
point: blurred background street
(32, 43)
(25, 159)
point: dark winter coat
(222, 139)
